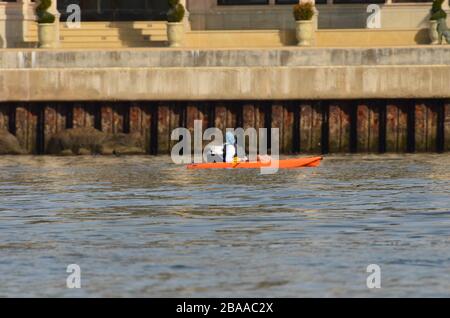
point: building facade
(17, 16)
(356, 90)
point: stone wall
(165, 74)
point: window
(117, 10)
(286, 1)
(242, 2)
(358, 1)
(377, 1)
(410, 1)
(253, 2)
(296, 1)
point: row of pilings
(341, 126)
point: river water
(141, 226)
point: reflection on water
(141, 226)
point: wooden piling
(277, 122)
(339, 126)
(220, 119)
(201, 111)
(368, 127)
(253, 115)
(115, 118)
(446, 124)
(228, 115)
(396, 127)
(163, 128)
(289, 117)
(426, 126)
(310, 127)
(169, 118)
(175, 121)
(283, 117)
(55, 120)
(195, 112)
(26, 126)
(140, 121)
(4, 116)
(85, 115)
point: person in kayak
(229, 152)
(230, 148)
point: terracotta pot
(434, 35)
(175, 34)
(304, 32)
(46, 35)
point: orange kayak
(282, 164)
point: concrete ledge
(225, 74)
(260, 57)
(225, 83)
(324, 38)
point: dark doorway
(117, 10)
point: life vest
(230, 147)
(229, 152)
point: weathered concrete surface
(225, 83)
(262, 57)
(225, 74)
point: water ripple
(141, 226)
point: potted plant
(46, 26)
(304, 13)
(437, 15)
(175, 26)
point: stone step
(87, 39)
(117, 25)
(88, 29)
(109, 34)
(111, 38)
(111, 44)
(123, 24)
(128, 38)
(83, 38)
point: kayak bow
(282, 164)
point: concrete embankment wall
(220, 74)
(323, 100)
(372, 126)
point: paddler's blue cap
(229, 137)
